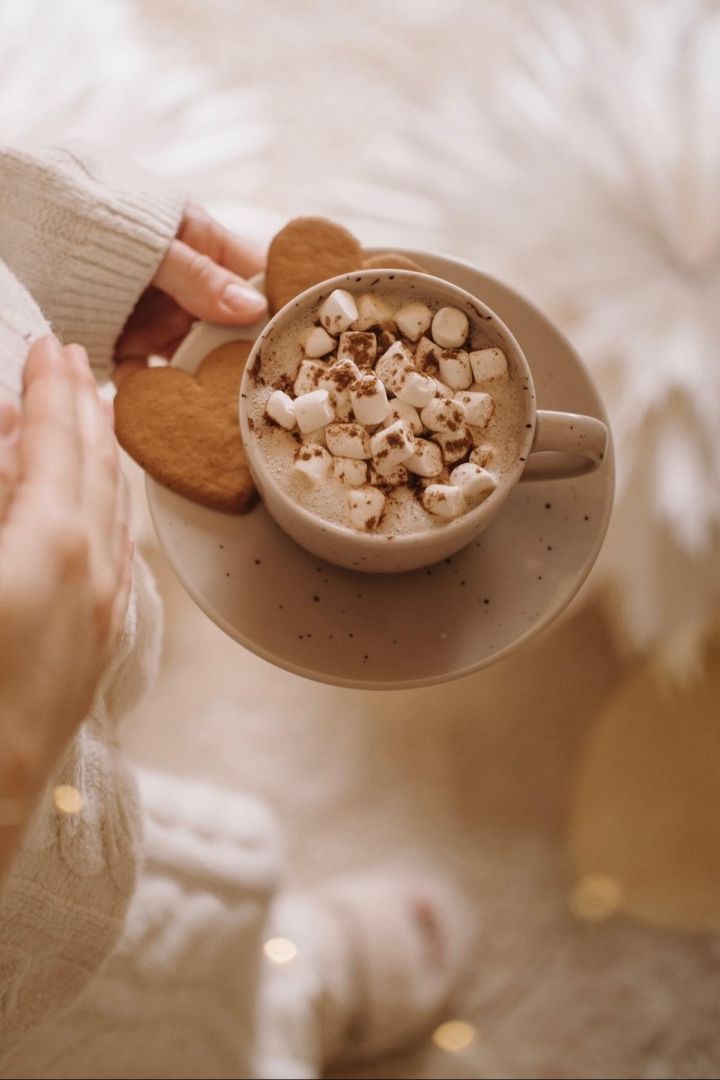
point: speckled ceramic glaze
(582, 440)
(404, 629)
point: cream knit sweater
(111, 966)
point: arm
(114, 259)
(64, 571)
(85, 237)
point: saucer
(394, 631)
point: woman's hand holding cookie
(203, 276)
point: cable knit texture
(178, 996)
(85, 237)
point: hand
(64, 560)
(201, 277)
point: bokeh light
(454, 1036)
(280, 950)
(68, 799)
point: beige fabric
(63, 905)
(121, 955)
(177, 997)
(85, 237)
(21, 322)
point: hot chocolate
(386, 411)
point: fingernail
(79, 355)
(243, 299)
(52, 348)
(8, 418)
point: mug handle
(570, 445)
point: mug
(551, 445)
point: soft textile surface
(572, 149)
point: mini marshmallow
(372, 312)
(280, 407)
(309, 374)
(427, 356)
(443, 414)
(369, 399)
(350, 471)
(417, 389)
(479, 407)
(398, 475)
(360, 348)
(427, 459)
(342, 405)
(391, 446)
(450, 327)
(412, 320)
(443, 390)
(338, 312)
(336, 379)
(473, 480)
(453, 444)
(488, 364)
(313, 410)
(400, 410)
(482, 455)
(455, 369)
(394, 365)
(444, 500)
(340, 375)
(365, 506)
(318, 342)
(348, 440)
(314, 462)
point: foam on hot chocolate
(421, 439)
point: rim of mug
(481, 311)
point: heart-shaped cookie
(183, 429)
(310, 250)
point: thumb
(206, 289)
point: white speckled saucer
(393, 631)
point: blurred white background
(572, 149)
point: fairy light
(68, 799)
(280, 950)
(596, 897)
(454, 1036)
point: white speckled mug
(551, 445)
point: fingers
(201, 231)
(104, 496)
(206, 289)
(50, 448)
(9, 458)
(100, 464)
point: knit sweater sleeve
(64, 900)
(84, 235)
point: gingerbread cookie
(307, 251)
(183, 429)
